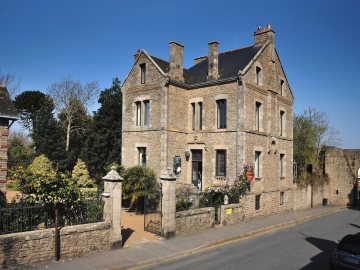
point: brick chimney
(213, 67)
(176, 61)
(261, 36)
(136, 55)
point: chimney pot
(136, 55)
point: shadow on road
(321, 260)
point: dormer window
(143, 73)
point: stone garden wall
(34, 246)
(194, 221)
(231, 213)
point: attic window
(282, 87)
(143, 73)
(259, 76)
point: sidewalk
(156, 251)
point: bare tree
(324, 133)
(21, 136)
(8, 80)
(69, 98)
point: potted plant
(249, 171)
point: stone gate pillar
(112, 207)
(168, 181)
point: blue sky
(43, 41)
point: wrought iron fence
(19, 217)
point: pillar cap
(168, 175)
(113, 176)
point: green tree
(41, 164)
(103, 144)
(47, 137)
(20, 152)
(80, 175)
(29, 103)
(312, 135)
(53, 190)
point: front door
(196, 176)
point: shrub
(135, 180)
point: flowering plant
(233, 190)
(248, 166)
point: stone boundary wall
(231, 213)
(194, 221)
(302, 197)
(28, 247)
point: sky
(94, 40)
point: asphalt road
(307, 246)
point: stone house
(205, 122)
(8, 115)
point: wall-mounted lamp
(187, 152)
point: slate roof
(7, 108)
(230, 62)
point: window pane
(257, 202)
(257, 164)
(138, 113)
(200, 115)
(143, 73)
(221, 113)
(281, 165)
(221, 162)
(257, 115)
(281, 123)
(142, 156)
(147, 112)
(193, 115)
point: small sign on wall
(228, 211)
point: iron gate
(152, 209)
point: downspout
(167, 125)
(237, 128)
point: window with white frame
(142, 156)
(138, 113)
(147, 112)
(221, 162)
(281, 123)
(281, 165)
(281, 198)
(143, 73)
(257, 164)
(257, 115)
(221, 113)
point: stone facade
(172, 113)
(8, 114)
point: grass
(12, 186)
